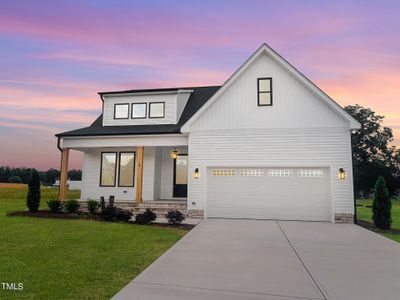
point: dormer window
(264, 91)
(139, 110)
(121, 111)
(156, 110)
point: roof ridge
(159, 89)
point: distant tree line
(373, 154)
(21, 175)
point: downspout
(61, 150)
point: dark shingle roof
(197, 99)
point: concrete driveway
(249, 259)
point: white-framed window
(156, 110)
(139, 110)
(280, 173)
(251, 172)
(121, 111)
(223, 172)
(310, 173)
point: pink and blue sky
(56, 55)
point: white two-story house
(267, 144)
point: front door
(180, 175)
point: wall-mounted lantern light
(174, 154)
(196, 173)
(342, 174)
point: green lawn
(72, 259)
(365, 213)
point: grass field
(365, 213)
(72, 259)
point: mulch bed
(86, 216)
(371, 226)
(49, 214)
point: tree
(33, 197)
(372, 155)
(381, 206)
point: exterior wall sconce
(174, 154)
(342, 174)
(196, 173)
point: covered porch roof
(87, 142)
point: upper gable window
(139, 110)
(156, 109)
(121, 111)
(264, 90)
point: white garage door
(269, 193)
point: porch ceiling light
(196, 173)
(342, 174)
(174, 154)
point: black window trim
(119, 168)
(258, 90)
(145, 111)
(115, 167)
(150, 117)
(115, 105)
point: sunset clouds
(56, 55)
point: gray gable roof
(197, 99)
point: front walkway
(248, 259)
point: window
(108, 168)
(251, 172)
(280, 173)
(121, 111)
(310, 173)
(156, 109)
(264, 90)
(126, 169)
(223, 172)
(139, 110)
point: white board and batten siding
(174, 104)
(91, 180)
(298, 131)
(157, 174)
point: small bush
(175, 217)
(102, 203)
(93, 206)
(145, 218)
(123, 215)
(55, 206)
(381, 206)
(33, 197)
(71, 206)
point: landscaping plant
(71, 206)
(93, 206)
(381, 206)
(145, 218)
(55, 206)
(111, 213)
(175, 217)
(33, 197)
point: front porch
(139, 177)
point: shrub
(33, 197)
(55, 206)
(175, 217)
(93, 206)
(111, 213)
(145, 218)
(102, 203)
(71, 206)
(381, 206)
(123, 215)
